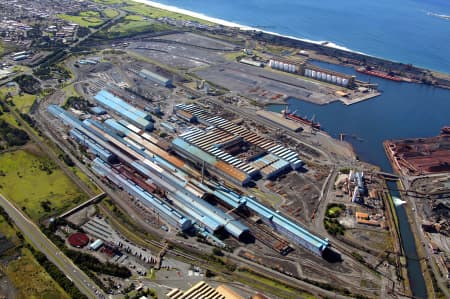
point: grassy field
(109, 2)
(32, 280)
(85, 179)
(36, 184)
(133, 24)
(156, 13)
(9, 118)
(260, 282)
(7, 230)
(86, 18)
(23, 102)
(110, 13)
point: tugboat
(304, 120)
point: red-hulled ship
(384, 75)
(299, 119)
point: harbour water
(407, 31)
(401, 30)
(403, 110)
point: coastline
(341, 54)
(245, 27)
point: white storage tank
(313, 74)
(318, 75)
(339, 80)
(324, 76)
(329, 78)
(276, 64)
(271, 63)
(292, 68)
(308, 73)
(333, 79)
(286, 67)
(344, 82)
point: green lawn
(135, 24)
(85, 19)
(24, 102)
(334, 212)
(110, 13)
(31, 280)
(156, 13)
(36, 184)
(9, 118)
(7, 230)
(110, 2)
(85, 179)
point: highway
(54, 255)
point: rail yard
(198, 182)
(198, 165)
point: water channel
(404, 110)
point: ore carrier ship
(304, 120)
(384, 75)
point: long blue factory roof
(104, 169)
(194, 151)
(287, 224)
(105, 95)
(116, 126)
(211, 213)
(279, 219)
(89, 123)
(62, 114)
(91, 144)
(125, 110)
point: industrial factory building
(277, 221)
(132, 114)
(153, 163)
(312, 71)
(92, 146)
(144, 168)
(328, 76)
(232, 151)
(146, 74)
(172, 216)
(284, 65)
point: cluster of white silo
(323, 76)
(283, 66)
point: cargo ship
(303, 120)
(380, 74)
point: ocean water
(399, 30)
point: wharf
(280, 120)
(359, 99)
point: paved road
(57, 257)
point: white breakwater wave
(242, 27)
(397, 201)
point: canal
(403, 110)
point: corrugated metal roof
(155, 77)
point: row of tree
(12, 136)
(57, 275)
